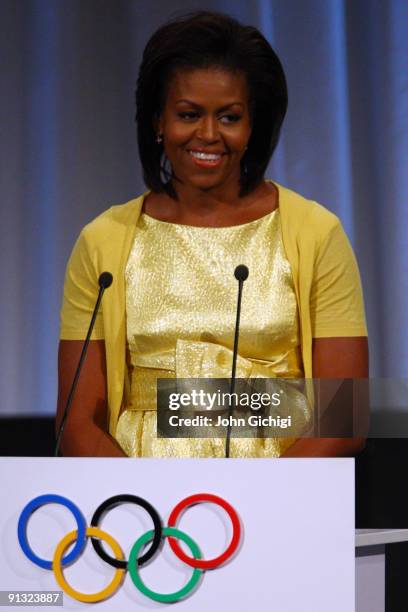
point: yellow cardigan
(325, 275)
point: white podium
(295, 552)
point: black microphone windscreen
(105, 280)
(241, 273)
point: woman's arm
(85, 433)
(335, 358)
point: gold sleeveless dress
(181, 306)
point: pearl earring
(159, 138)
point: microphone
(241, 273)
(105, 280)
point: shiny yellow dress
(181, 305)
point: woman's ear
(157, 125)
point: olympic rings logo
(136, 559)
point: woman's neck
(216, 209)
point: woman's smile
(202, 159)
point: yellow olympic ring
(91, 597)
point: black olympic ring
(117, 500)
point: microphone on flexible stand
(105, 281)
(241, 274)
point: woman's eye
(188, 115)
(231, 118)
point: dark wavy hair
(203, 40)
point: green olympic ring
(134, 571)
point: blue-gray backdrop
(68, 150)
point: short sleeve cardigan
(325, 276)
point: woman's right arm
(86, 427)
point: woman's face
(205, 125)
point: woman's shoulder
(304, 214)
(115, 221)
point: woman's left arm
(335, 358)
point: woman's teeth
(205, 156)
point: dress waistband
(206, 360)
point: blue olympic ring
(31, 507)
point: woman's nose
(208, 129)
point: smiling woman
(211, 97)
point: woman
(211, 97)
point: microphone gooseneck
(241, 273)
(104, 281)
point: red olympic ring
(236, 534)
